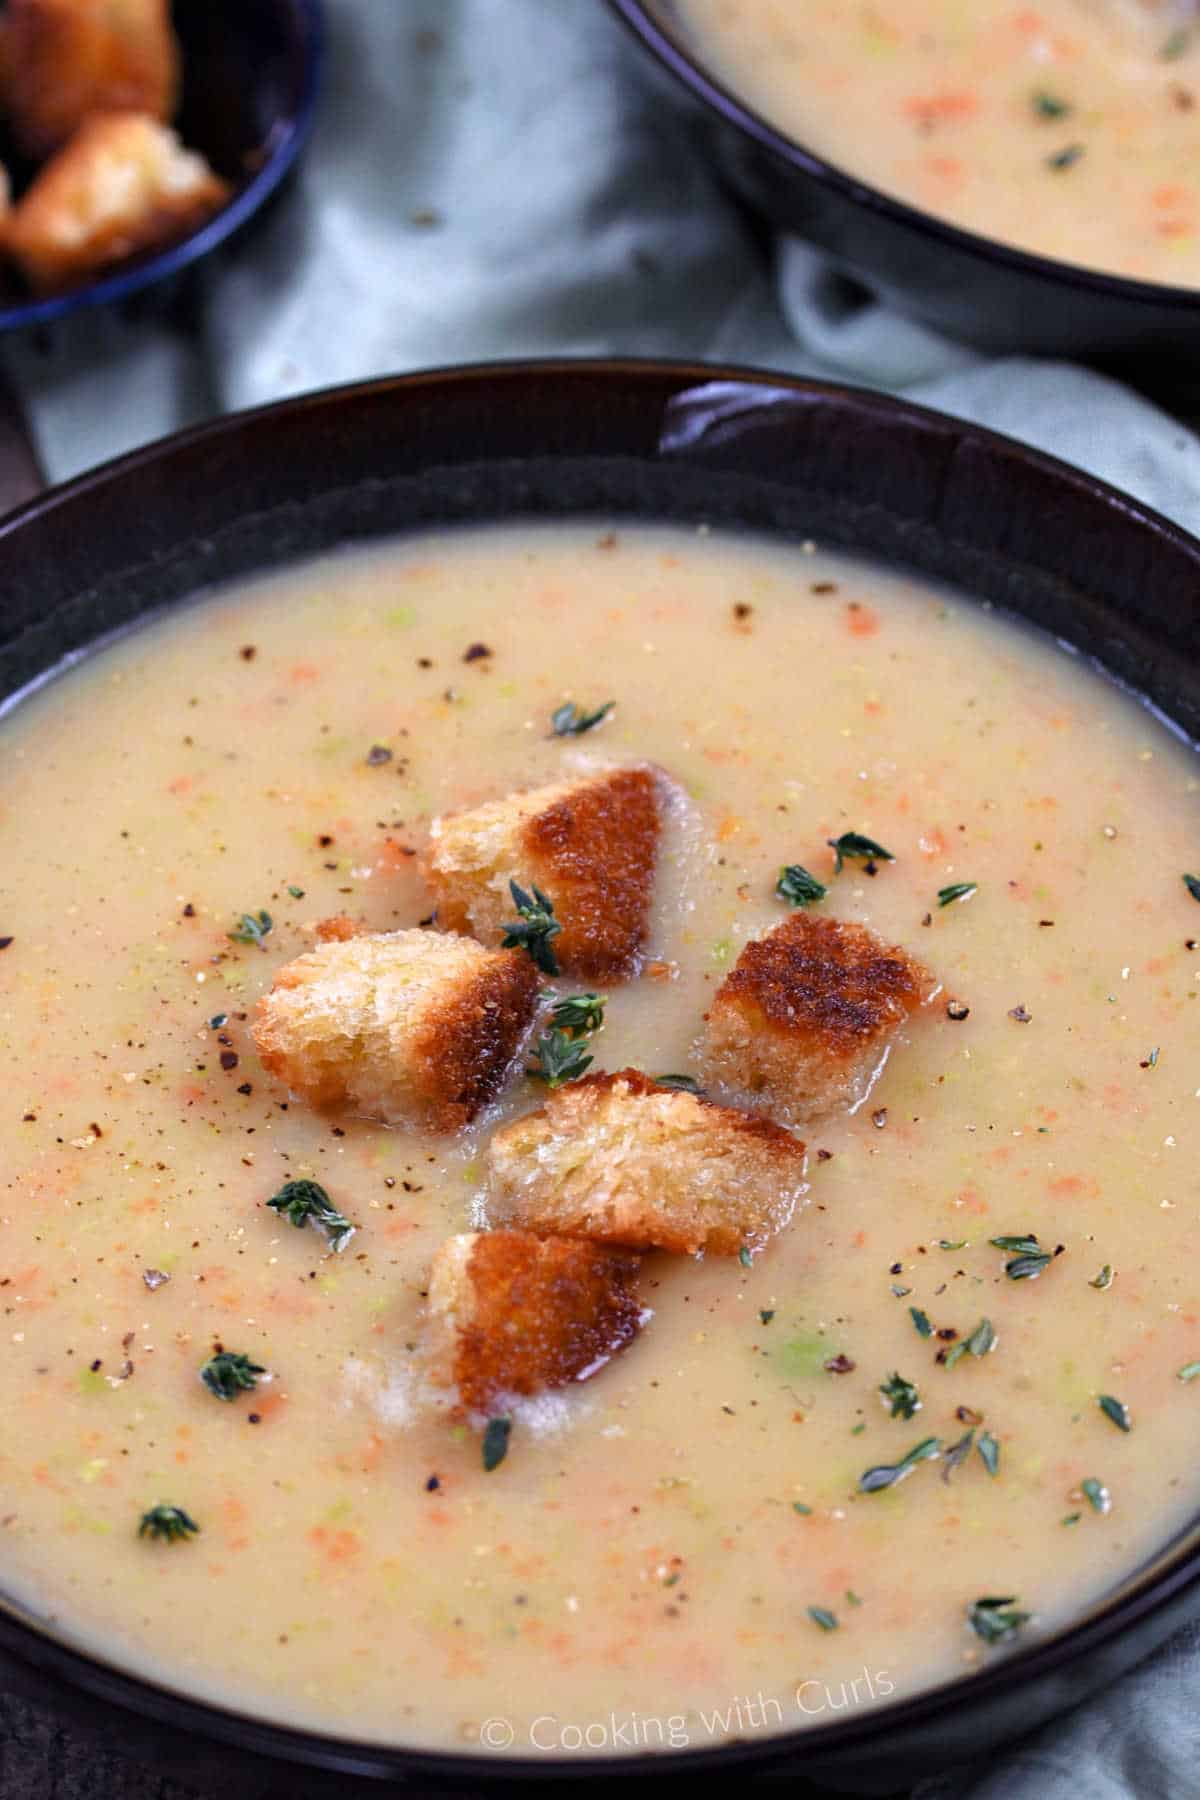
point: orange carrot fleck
(931, 109)
(861, 621)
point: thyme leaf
(1029, 1259)
(989, 1450)
(958, 1453)
(1096, 1494)
(981, 1340)
(495, 1442)
(569, 720)
(958, 890)
(993, 1618)
(798, 887)
(854, 845)
(886, 1475)
(1117, 1411)
(300, 1201)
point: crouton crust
(803, 1020)
(122, 186)
(618, 1159)
(591, 845)
(411, 1027)
(63, 60)
(513, 1313)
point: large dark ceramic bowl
(618, 441)
(971, 286)
(251, 71)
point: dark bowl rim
(729, 106)
(1175, 1572)
(286, 144)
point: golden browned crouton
(589, 844)
(511, 1313)
(411, 1027)
(63, 60)
(620, 1160)
(803, 1021)
(123, 185)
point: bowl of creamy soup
(1019, 177)
(600, 973)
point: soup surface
(1071, 128)
(679, 1549)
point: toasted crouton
(803, 1022)
(590, 845)
(63, 60)
(411, 1027)
(122, 186)
(512, 1313)
(620, 1160)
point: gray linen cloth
(497, 178)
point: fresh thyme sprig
(228, 1373)
(252, 928)
(901, 1395)
(558, 1058)
(534, 929)
(580, 1014)
(170, 1524)
(559, 1054)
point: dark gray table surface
(41, 1758)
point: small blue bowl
(251, 72)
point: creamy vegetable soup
(959, 1375)
(1070, 128)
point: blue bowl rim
(639, 17)
(123, 283)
